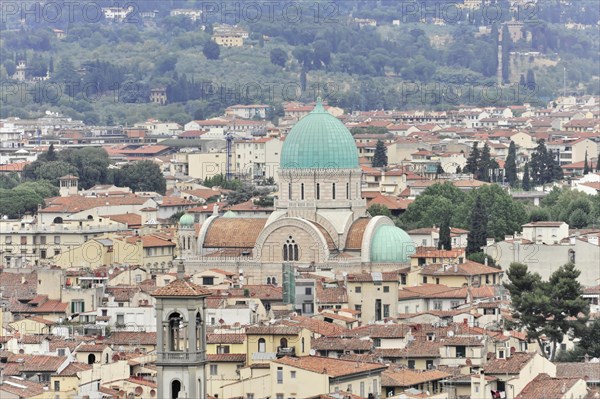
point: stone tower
(181, 344)
(187, 239)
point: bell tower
(181, 344)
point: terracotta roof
(469, 340)
(325, 295)
(330, 243)
(227, 357)
(368, 277)
(181, 287)
(273, 330)
(341, 344)
(152, 241)
(544, 386)
(227, 338)
(390, 202)
(91, 348)
(121, 293)
(468, 268)
(430, 252)
(73, 368)
(233, 232)
(131, 338)
(77, 203)
(356, 232)
(407, 377)
(512, 365)
(544, 224)
(329, 366)
(129, 219)
(22, 388)
(380, 331)
(262, 291)
(316, 326)
(589, 371)
(13, 167)
(25, 363)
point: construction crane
(229, 137)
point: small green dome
(186, 220)
(230, 214)
(391, 244)
(319, 140)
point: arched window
(189, 243)
(175, 389)
(106, 358)
(274, 280)
(333, 190)
(269, 278)
(183, 243)
(318, 190)
(289, 191)
(262, 345)
(290, 250)
(57, 220)
(283, 343)
(198, 331)
(302, 344)
(347, 190)
(90, 217)
(175, 332)
(302, 191)
(91, 358)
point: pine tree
(522, 82)
(439, 170)
(445, 241)
(506, 47)
(526, 179)
(477, 237)
(530, 79)
(473, 160)
(586, 167)
(380, 157)
(598, 164)
(458, 170)
(510, 166)
(483, 166)
(51, 154)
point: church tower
(187, 236)
(181, 344)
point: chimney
(180, 270)
(485, 260)
(455, 268)
(215, 210)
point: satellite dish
(451, 333)
(110, 271)
(344, 274)
(312, 352)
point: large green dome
(319, 140)
(391, 244)
(186, 220)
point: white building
(117, 14)
(188, 12)
(258, 159)
(545, 232)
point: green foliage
(578, 219)
(586, 167)
(477, 237)
(544, 166)
(141, 176)
(221, 181)
(472, 165)
(589, 345)
(265, 201)
(551, 308)
(10, 180)
(380, 158)
(571, 206)
(445, 239)
(174, 218)
(211, 50)
(379, 210)
(480, 257)
(278, 57)
(526, 184)
(25, 198)
(510, 166)
(539, 215)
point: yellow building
(265, 343)
(66, 383)
(226, 343)
(458, 275)
(374, 294)
(229, 39)
(32, 325)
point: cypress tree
(586, 167)
(510, 166)
(380, 157)
(445, 241)
(472, 160)
(477, 236)
(526, 180)
(598, 164)
(483, 166)
(506, 47)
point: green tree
(278, 57)
(379, 210)
(551, 309)
(589, 345)
(598, 164)
(482, 257)
(473, 160)
(211, 50)
(526, 184)
(586, 168)
(142, 176)
(578, 219)
(445, 239)
(506, 47)
(380, 157)
(530, 79)
(510, 166)
(91, 164)
(544, 167)
(477, 237)
(539, 215)
(483, 166)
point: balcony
(180, 357)
(284, 351)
